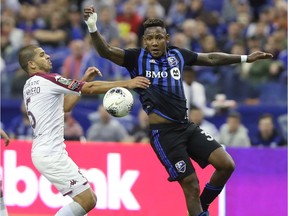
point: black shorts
(176, 143)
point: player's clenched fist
(90, 17)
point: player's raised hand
(90, 18)
(5, 137)
(90, 74)
(138, 82)
(258, 55)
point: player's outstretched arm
(218, 58)
(101, 87)
(5, 137)
(71, 100)
(104, 49)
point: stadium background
(200, 25)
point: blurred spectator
(229, 10)
(264, 26)
(196, 115)
(230, 80)
(72, 129)
(160, 11)
(257, 6)
(13, 5)
(195, 92)
(20, 126)
(140, 132)
(276, 42)
(106, 129)
(13, 34)
(258, 74)
(96, 3)
(150, 12)
(233, 133)
(29, 18)
(128, 20)
(233, 36)
(243, 13)
(131, 41)
(140, 7)
(180, 40)
(107, 25)
(280, 18)
(11, 39)
(72, 63)
(267, 134)
(190, 29)
(76, 26)
(283, 123)
(208, 76)
(195, 9)
(17, 83)
(110, 71)
(56, 34)
(176, 16)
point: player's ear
(144, 42)
(31, 65)
(167, 38)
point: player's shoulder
(133, 51)
(51, 78)
(47, 76)
(173, 48)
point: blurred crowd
(232, 26)
(130, 129)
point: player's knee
(229, 165)
(87, 200)
(92, 202)
(190, 185)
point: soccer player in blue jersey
(173, 138)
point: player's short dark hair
(155, 22)
(26, 54)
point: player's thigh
(62, 172)
(220, 159)
(170, 148)
(87, 199)
(200, 146)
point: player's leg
(65, 175)
(203, 149)
(82, 203)
(224, 167)
(3, 210)
(169, 143)
(191, 189)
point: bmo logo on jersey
(156, 74)
(175, 73)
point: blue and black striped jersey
(165, 96)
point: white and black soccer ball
(118, 101)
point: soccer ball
(118, 101)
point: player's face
(42, 60)
(155, 40)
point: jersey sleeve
(189, 56)
(131, 58)
(61, 85)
